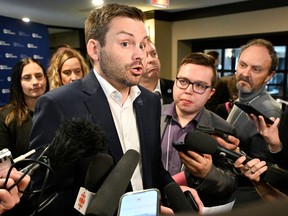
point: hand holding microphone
(204, 143)
(230, 143)
(199, 165)
(252, 169)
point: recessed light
(25, 19)
(97, 2)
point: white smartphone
(144, 202)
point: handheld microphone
(203, 143)
(107, 197)
(98, 170)
(75, 140)
(177, 200)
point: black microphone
(177, 201)
(204, 143)
(98, 170)
(107, 197)
(75, 144)
(75, 140)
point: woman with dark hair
(28, 82)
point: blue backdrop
(20, 40)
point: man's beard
(242, 88)
(116, 71)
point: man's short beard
(243, 89)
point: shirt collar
(158, 87)
(170, 110)
(110, 91)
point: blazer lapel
(205, 118)
(164, 120)
(140, 117)
(98, 107)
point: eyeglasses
(197, 87)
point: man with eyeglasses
(194, 85)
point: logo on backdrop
(20, 40)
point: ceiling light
(160, 3)
(25, 19)
(97, 2)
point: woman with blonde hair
(67, 66)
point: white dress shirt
(125, 121)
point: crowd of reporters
(212, 180)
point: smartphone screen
(138, 203)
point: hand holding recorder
(269, 132)
(249, 109)
(10, 195)
(10, 183)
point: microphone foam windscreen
(107, 198)
(75, 140)
(98, 170)
(176, 198)
(200, 142)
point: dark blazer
(166, 90)
(85, 99)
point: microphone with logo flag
(107, 197)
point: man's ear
(269, 77)
(93, 49)
(213, 90)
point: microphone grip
(232, 155)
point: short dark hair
(97, 23)
(200, 58)
(269, 46)
(214, 54)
